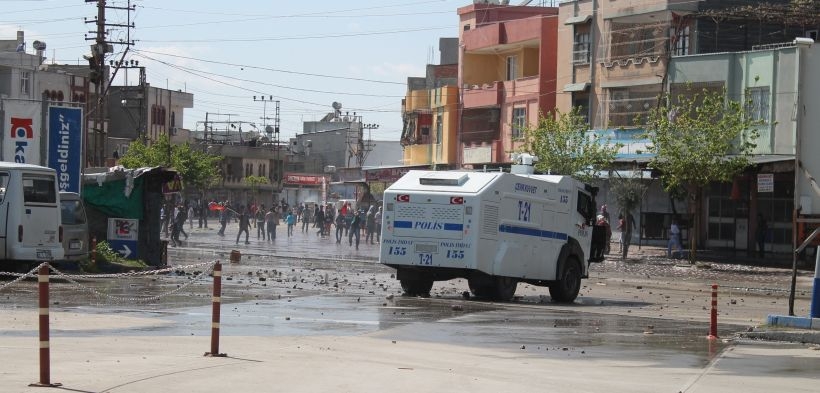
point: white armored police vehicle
(495, 229)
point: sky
(307, 55)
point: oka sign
(22, 132)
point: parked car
(75, 226)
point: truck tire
(566, 288)
(419, 286)
(505, 288)
(493, 288)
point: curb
(808, 337)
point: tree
(563, 146)
(698, 139)
(254, 182)
(628, 193)
(198, 169)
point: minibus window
(72, 212)
(39, 189)
(4, 181)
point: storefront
(304, 188)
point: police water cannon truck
(495, 229)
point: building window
(439, 126)
(519, 122)
(25, 77)
(512, 68)
(467, 27)
(757, 106)
(581, 101)
(628, 107)
(681, 41)
(580, 48)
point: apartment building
(507, 74)
(430, 112)
(617, 57)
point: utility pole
(95, 140)
(273, 135)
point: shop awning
(574, 87)
(578, 19)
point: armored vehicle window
(585, 206)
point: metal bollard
(713, 320)
(93, 250)
(45, 350)
(815, 294)
(216, 303)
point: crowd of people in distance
(350, 224)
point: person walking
(379, 225)
(370, 224)
(291, 221)
(272, 220)
(190, 217)
(260, 223)
(319, 220)
(244, 225)
(223, 220)
(175, 228)
(180, 218)
(674, 239)
(329, 217)
(355, 227)
(626, 225)
(340, 227)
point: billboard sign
(22, 139)
(65, 132)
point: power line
(271, 69)
(187, 69)
(386, 32)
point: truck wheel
(481, 288)
(505, 288)
(416, 286)
(566, 288)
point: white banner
(22, 128)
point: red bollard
(713, 320)
(216, 302)
(45, 351)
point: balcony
(503, 33)
(483, 153)
(522, 87)
(480, 96)
(421, 154)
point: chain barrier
(72, 279)
(135, 299)
(20, 276)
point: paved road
(328, 317)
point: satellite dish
(39, 45)
(337, 105)
(269, 129)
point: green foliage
(700, 139)
(105, 254)
(256, 181)
(198, 169)
(628, 192)
(563, 146)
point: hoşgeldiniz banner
(21, 124)
(65, 144)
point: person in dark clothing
(182, 216)
(320, 220)
(355, 227)
(762, 229)
(244, 225)
(340, 227)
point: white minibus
(30, 222)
